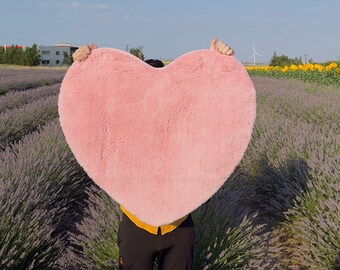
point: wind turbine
(254, 55)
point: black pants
(138, 248)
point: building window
(45, 52)
(57, 62)
(57, 52)
(45, 62)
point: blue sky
(168, 29)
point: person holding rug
(141, 244)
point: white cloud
(75, 5)
(99, 6)
(43, 5)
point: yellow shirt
(153, 229)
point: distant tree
(32, 57)
(15, 55)
(18, 57)
(137, 52)
(10, 55)
(68, 60)
(2, 55)
(284, 60)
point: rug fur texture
(159, 141)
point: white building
(53, 56)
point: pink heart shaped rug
(159, 141)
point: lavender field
(280, 209)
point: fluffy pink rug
(159, 141)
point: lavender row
(6, 72)
(42, 192)
(223, 232)
(226, 234)
(95, 244)
(302, 102)
(18, 79)
(292, 164)
(312, 226)
(16, 99)
(17, 123)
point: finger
(79, 55)
(221, 48)
(93, 46)
(86, 49)
(230, 52)
(226, 49)
(83, 55)
(213, 44)
(76, 56)
(82, 52)
(219, 43)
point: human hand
(221, 47)
(83, 52)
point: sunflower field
(314, 73)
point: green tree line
(137, 52)
(15, 55)
(283, 60)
